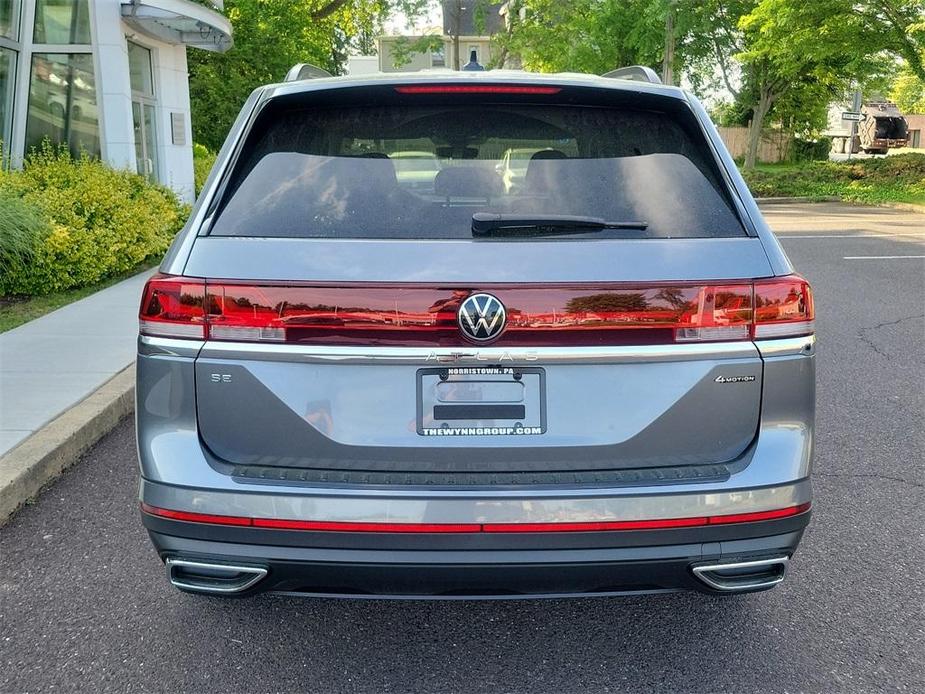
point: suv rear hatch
(333, 291)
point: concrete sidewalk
(52, 363)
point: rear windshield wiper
(487, 224)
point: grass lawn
(16, 310)
(899, 178)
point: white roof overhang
(179, 22)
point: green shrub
(810, 150)
(203, 160)
(102, 222)
(22, 229)
(896, 178)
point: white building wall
(108, 46)
(172, 82)
(171, 85)
(117, 136)
(362, 64)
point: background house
(916, 122)
(105, 76)
(467, 27)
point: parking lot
(84, 603)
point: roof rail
(639, 73)
(306, 71)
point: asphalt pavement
(84, 604)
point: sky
(399, 23)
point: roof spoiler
(638, 73)
(306, 71)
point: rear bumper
(387, 565)
(179, 473)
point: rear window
(421, 172)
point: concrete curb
(35, 462)
(790, 201)
(904, 206)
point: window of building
(9, 19)
(7, 80)
(141, 73)
(62, 102)
(438, 57)
(141, 76)
(9, 55)
(62, 21)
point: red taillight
(716, 312)
(783, 307)
(173, 307)
(476, 89)
(537, 316)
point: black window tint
(422, 172)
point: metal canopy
(179, 22)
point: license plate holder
(481, 401)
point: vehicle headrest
(548, 154)
(540, 175)
(467, 182)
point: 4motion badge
(733, 379)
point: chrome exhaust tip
(742, 575)
(214, 578)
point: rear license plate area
(481, 401)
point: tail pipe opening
(206, 577)
(744, 575)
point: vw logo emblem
(481, 317)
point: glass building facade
(104, 78)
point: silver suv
(598, 381)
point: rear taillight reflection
(537, 316)
(173, 307)
(783, 307)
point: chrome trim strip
(764, 331)
(472, 507)
(477, 355)
(254, 575)
(703, 572)
(790, 346)
(787, 346)
(151, 346)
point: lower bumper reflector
(388, 527)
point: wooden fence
(774, 145)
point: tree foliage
(593, 36)
(780, 60)
(811, 53)
(909, 92)
(270, 36)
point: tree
(676, 37)
(909, 92)
(821, 48)
(270, 36)
(593, 36)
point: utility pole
(855, 108)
